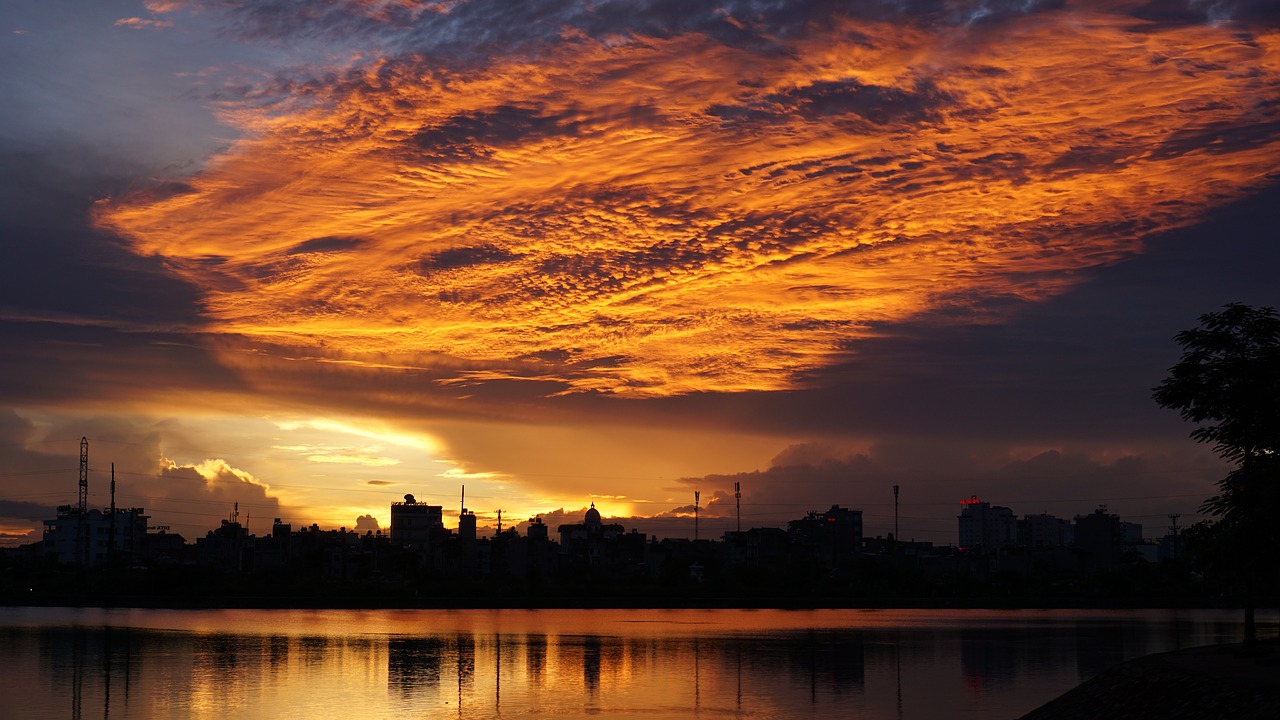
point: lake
(871, 664)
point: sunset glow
(656, 216)
(312, 257)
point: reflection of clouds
(676, 212)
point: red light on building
(973, 500)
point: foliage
(1228, 382)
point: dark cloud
(1194, 12)
(67, 361)
(485, 27)
(872, 103)
(36, 512)
(935, 475)
(1220, 138)
(52, 263)
(366, 523)
(474, 135)
(463, 257)
(92, 314)
(327, 245)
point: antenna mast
(737, 499)
(84, 474)
(82, 524)
(895, 513)
(696, 495)
(111, 543)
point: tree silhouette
(1228, 383)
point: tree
(1228, 383)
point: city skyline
(310, 258)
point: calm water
(58, 663)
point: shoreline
(1213, 681)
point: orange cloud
(137, 23)
(656, 216)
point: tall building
(834, 536)
(983, 525)
(592, 542)
(1105, 536)
(1041, 531)
(92, 537)
(412, 522)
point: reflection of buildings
(834, 662)
(413, 664)
(988, 656)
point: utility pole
(82, 527)
(895, 513)
(84, 474)
(737, 500)
(1173, 530)
(111, 542)
(696, 495)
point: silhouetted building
(92, 537)
(987, 526)
(230, 545)
(594, 543)
(1041, 531)
(1101, 535)
(414, 524)
(757, 546)
(832, 538)
(538, 531)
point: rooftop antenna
(464, 501)
(499, 521)
(696, 495)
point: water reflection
(711, 663)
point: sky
(300, 259)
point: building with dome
(590, 539)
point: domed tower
(593, 518)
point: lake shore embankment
(1217, 681)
